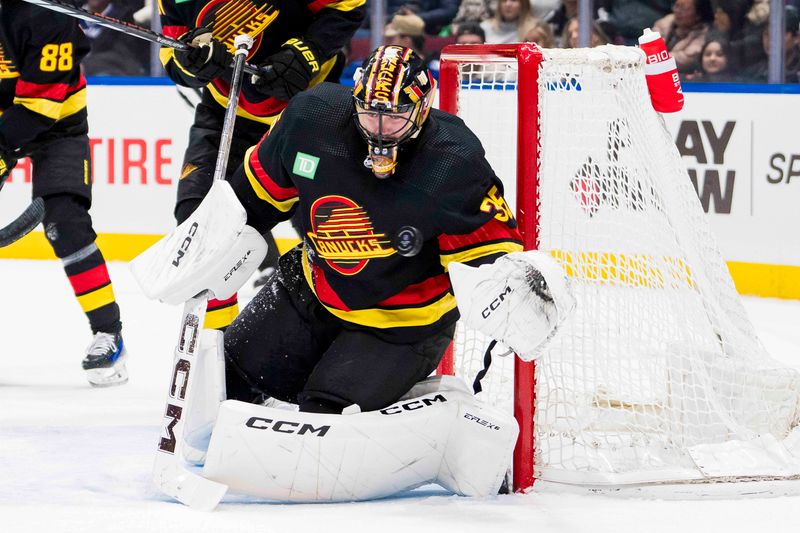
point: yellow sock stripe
(220, 318)
(96, 299)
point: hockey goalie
(320, 389)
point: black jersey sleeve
(334, 23)
(47, 50)
(477, 225)
(175, 22)
(262, 183)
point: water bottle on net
(661, 73)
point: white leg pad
(444, 437)
(207, 394)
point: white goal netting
(659, 375)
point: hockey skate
(105, 360)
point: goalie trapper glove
(7, 164)
(288, 71)
(520, 300)
(207, 58)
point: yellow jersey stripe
(479, 251)
(261, 192)
(388, 318)
(54, 110)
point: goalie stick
(23, 224)
(169, 473)
(123, 27)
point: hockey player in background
(300, 40)
(388, 193)
(43, 103)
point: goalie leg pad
(443, 437)
(207, 394)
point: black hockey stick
(23, 224)
(122, 26)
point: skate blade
(108, 377)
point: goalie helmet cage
(659, 376)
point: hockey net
(659, 376)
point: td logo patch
(305, 165)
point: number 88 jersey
(42, 90)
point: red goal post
(528, 57)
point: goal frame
(528, 58)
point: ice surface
(73, 458)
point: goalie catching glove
(291, 70)
(207, 58)
(520, 300)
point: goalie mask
(393, 95)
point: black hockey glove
(207, 59)
(291, 70)
(7, 164)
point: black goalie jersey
(328, 24)
(42, 90)
(353, 224)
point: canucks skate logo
(343, 235)
(229, 18)
(7, 68)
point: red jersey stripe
(174, 31)
(90, 280)
(420, 293)
(324, 291)
(491, 231)
(265, 108)
(279, 193)
(51, 91)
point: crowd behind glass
(711, 40)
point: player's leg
(361, 367)
(62, 177)
(276, 341)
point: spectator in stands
(541, 33)
(684, 31)
(111, 54)
(603, 32)
(407, 31)
(541, 8)
(510, 22)
(716, 63)
(632, 16)
(730, 21)
(559, 18)
(470, 33)
(436, 14)
(470, 12)
(759, 71)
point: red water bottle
(661, 73)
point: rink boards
(741, 150)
